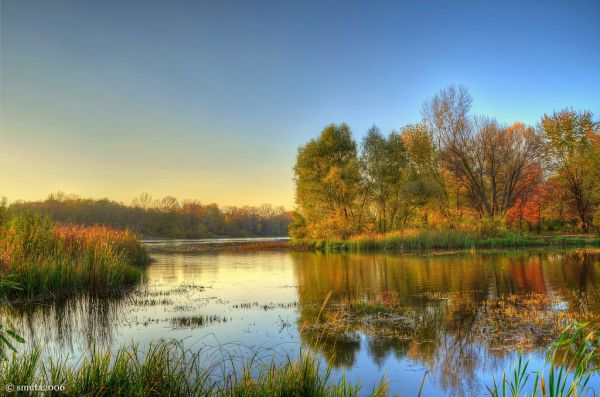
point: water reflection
(454, 315)
(460, 316)
(72, 324)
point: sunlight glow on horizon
(210, 101)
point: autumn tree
(529, 204)
(426, 184)
(328, 183)
(593, 174)
(571, 140)
(489, 160)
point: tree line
(167, 217)
(454, 170)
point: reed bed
(168, 369)
(49, 260)
(440, 240)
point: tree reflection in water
(455, 314)
(460, 316)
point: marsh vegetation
(47, 260)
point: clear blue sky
(210, 100)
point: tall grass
(570, 364)
(8, 336)
(439, 239)
(52, 260)
(168, 369)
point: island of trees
(454, 171)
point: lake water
(461, 321)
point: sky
(210, 100)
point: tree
(528, 207)
(144, 201)
(426, 183)
(328, 183)
(593, 174)
(385, 169)
(570, 140)
(489, 160)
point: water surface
(456, 325)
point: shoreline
(420, 244)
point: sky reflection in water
(248, 302)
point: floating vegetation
(184, 288)
(197, 321)
(152, 302)
(268, 306)
(508, 323)
(530, 320)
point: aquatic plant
(51, 260)
(8, 336)
(570, 364)
(167, 368)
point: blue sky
(210, 100)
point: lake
(463, 319)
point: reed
(51, 260)
(439, 240)
(168, 369)
(570, 364)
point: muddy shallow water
(464, 316)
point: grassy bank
(167, 369)
(441, 240)
(47, 259)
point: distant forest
(163, 218)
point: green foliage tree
(328, 183)
(384, 162)
(426, 184)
